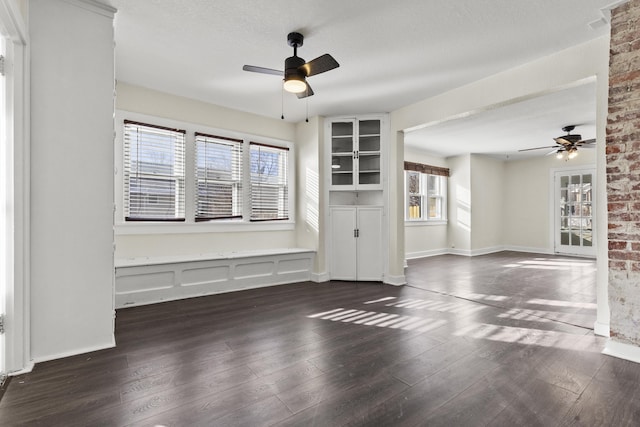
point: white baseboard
(474, 252)
(601, 329)
(24, 370)
(457, 251)
(395, 280)
(487, 250)
(425, 254)
(75, 352)
(622, 350)
(320, 277)
(543, 251)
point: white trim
(487, 250)
(426, 254)
(601, 329)
(554, 219)
(622, 350)
(477, 252)
(320, 277)
(133, 228)
(75, 352)
(418, 223)
(12, 24)
(395, 280)
(95, 7)
(530, 249)
(190, 225)
(461, 252)
(28, 368)
(17, 335)
(141, 281)
(145, 261)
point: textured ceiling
(391, 54)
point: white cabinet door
(356, 243)
(369, 243)
(343, 243)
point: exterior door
(574, 212)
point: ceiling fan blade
(538, 148)
(586, 142)
(306, 93)
(262, 70)
(554, 151)
(562, 141)
(320, 65)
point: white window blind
(218, 177)
(154, 173)
(269, 189)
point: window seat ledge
(173, 259)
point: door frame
(554, 208)
(17, 355)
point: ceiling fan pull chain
(282, 102)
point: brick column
(623, 173)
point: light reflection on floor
(381, 320)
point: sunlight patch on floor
(528, 336)
(557, 303)
(381, 320)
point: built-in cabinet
(356, 236)
(355, 175)
(356, 154)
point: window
(181, 172)
(426, 193)
(218, 172)
(269, 189)
(154, 174)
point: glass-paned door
(574, 212)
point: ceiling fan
(567, 144)
(296, 70)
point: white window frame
(269, 181)
(133, 169)
(190, 225)
(424, 194)
(234, 181)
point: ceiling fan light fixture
(572, 153)
(559, 154)
(295, 84)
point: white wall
(538, 77)
(72, 84)
(460, 208)
(487, 200)
(423, 239)
(200, 238)
(309, 218)
(528, 200)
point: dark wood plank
(488, 340)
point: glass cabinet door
(368, 153)
(342, 153)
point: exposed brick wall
(623, 173)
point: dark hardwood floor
(500, 340)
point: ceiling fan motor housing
(292, 68)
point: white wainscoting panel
(144, 280)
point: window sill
(133, 228)
(422, 223)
